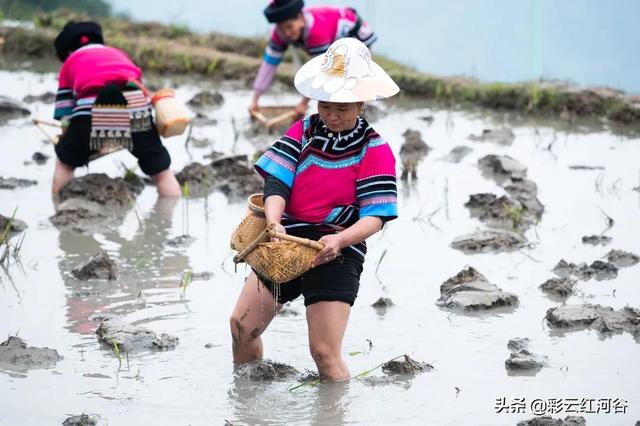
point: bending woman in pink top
(312, 29)
(330, 177)
(100, 101)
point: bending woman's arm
(356, 233)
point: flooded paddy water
(587, 178)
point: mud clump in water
(501, 136)
(80, 215)
(206, 99)
(406, 365)
(10, 109)
(99, 267)
(232, 175)
(181, 241)
(113, 194)
(14, 183)
(40, 158)
(598, 269)
(469, 290)
(559, 287)
(383, 303)
(501, 167)
(17, 225)
(550, 421)
(457, 154)
(47, 98)
(413, 150)
(265, 370)
(596, 240)
(501, 212)
(81, 420)
(489, 241)
(96, 200)
(622, 259)
(521, 358)
(129, 337)
(601, 318)
(17, 356)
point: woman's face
(339, 117)
(292, 29)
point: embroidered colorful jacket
(85, 72)
(335, 179)
(323, 26)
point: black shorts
(338, 280)
(73, 148)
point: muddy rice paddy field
(511, 278)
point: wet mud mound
(522, 359)
(15, 183)
(502, 212)
(206, 99)
(95, 200)
(500, 168)
(501, 136)
(597, 269)
(469, 290)
(550, 421)
(560, 288)
(99, 267)
(406, 365)
(15, 225)
(232, 175)
(81, 420)
(622, 259)
(596, 240)
(10, 109)
(113, 330)
(47, 98)
(600, 318)
(457, 154)
(15, 355)
(489, 241)
(265, 371)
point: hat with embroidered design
(345, 73)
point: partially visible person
(311, 29)
(101, 102)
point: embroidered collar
(343, 136)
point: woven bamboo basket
(278, 261)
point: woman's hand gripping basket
(278, 261)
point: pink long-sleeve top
(86, 71)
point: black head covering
(281, 10)
(70, 38)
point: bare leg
(167, 184)
(327, 322)
(61, 175)
(254, 311)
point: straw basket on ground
(279, 261)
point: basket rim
(258, 208)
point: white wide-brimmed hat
(345, 73)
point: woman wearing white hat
(330, 177)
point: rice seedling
(187, 276)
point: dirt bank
(171, 49)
